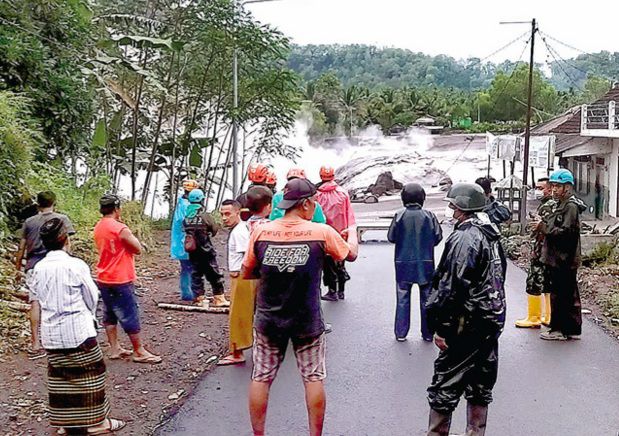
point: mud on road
(143, 395)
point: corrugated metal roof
(572, 124)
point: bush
(603, 253)
(81, 205)
(18, 136)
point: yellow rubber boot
(547, 311)
(534, 318)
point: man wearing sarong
(62, 287)
(242, 292)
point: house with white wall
(588, 145)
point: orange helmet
(257, 173)
(327, 173)
(271, 178)
(296, 173)
(190, 185)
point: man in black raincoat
(466, 310)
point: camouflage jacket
(544, 211)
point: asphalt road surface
(377, 386)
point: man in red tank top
(115, 276)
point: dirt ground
(142, 395)
(598, 285)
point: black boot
(340, 290)
(439, 424)
(330, 296)
(476, 417)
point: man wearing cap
(277, 212)
(466, 312)
(34, 250)
(287, 256)
(562, 257)
(115, 276)
(338, 210)
(177, 241)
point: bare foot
(145, 356)
(120, 353)
(231, 359)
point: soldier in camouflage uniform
(537, 281)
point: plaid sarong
(76, 385)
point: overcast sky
(457, 28)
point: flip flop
(147, 359)
(115, 425)
(123, 353)
(229, 360)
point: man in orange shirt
(115, 276)
(288, 255)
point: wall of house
(614, 179)
(587, 171)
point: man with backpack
(177, 240)
(199, 227)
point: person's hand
(19, 276)
(440, 342)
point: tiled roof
(549, 126)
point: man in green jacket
(561, 255)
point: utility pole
(235, 138)
(527, 131)
(235, 126)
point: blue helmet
(562, 176)
(196, 196)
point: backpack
(191, 244)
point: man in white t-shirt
(243, 292)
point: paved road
(376, 386)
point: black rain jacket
(415, 232)
(468, 295)
(496, 211)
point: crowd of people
(281, 245)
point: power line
(552, 53)
(511, 76)
(575, 66)
(505, 46)
(509, 44)
(509, 79)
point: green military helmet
(468, 197)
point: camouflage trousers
(537, 278)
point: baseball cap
(296, 190)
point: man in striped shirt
(61, 286)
